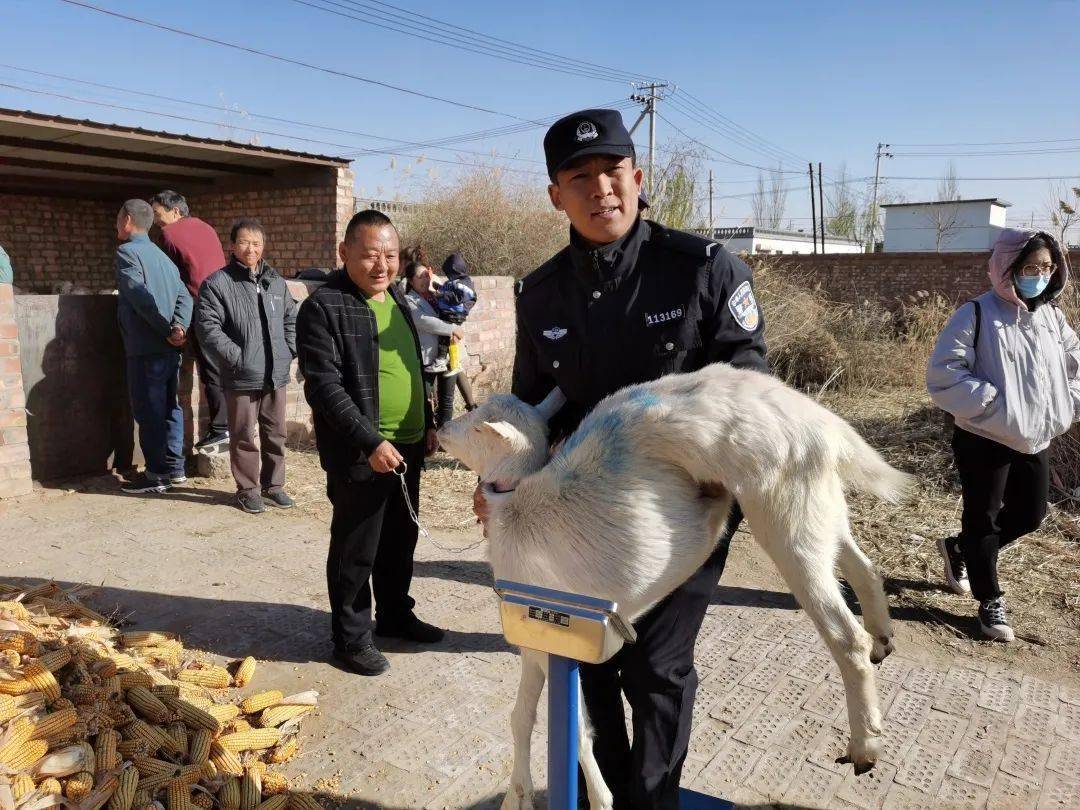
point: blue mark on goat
(643, 399)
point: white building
(944, 226)
(751, 239)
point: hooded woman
(1007, 367)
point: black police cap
(588, 132)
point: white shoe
(955, 570)
(993, 620)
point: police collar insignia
(586, 131)
(554, 333)
(744, 307)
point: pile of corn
(90, 716)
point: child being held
(454, 300)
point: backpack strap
(978, 323)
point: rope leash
(400, 471)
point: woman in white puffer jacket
(1007, 367)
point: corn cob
(62, 703)
(153, 784)
(303, 801)
(178, 731)
(15, 686)
(165, 690)
(8, 709)
(51, 786)
(112, 687)
(10, 659)
(260, 701)
(22, 785)
(29, 700)
(283, 752)
(18, 733)
(133, 748)
(253, 740)
(17, 610)
(203, 800)
(199, 745)
(145, 638)
(26, 755)
(101, 793)
(224, 713)
(147, 704)
(276, 715)
(208, 675)
(157, 738)
(105, 751)
(148, 766)
(84, 694)
(192, 716)
(229, 795)
(250, 789)
(274, 783)
(239, 724)
(178, 793)
(245, 671)
(120, 713)
(41, 680)
(79, 786)
(143, 798)
(56, 660)
(74, 735)
(194, 773)
(277, 802)
(225, 760)
(18, 641)
(54, 723)
(130, 679)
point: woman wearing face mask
(1007, 367)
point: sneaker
(177, 478)
(279, 499)
(213, 442)
(363, 660)
(251, 502)
(955, 569)
(142, 484)
(411, 629)
(993, 621)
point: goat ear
(552, 404)
(504, 430)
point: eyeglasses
(1032, 270)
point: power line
(989, 143)
(994, 153)
(246, 129)
(288, 60)
(725, 157)
(985, 179)
(738, 140)
(713, 113)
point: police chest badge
(744, 307)
(554, 333)
(586, 131)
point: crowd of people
(627, 300)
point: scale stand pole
(563, 691)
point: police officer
(628, 301)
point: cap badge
(586, 131)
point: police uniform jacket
(657, 301)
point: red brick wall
(894, 277)
(52, 240)
(489, 331)
(14, 449)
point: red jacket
(195, 248)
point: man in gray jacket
(154, 310)
(246, 323)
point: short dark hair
(246, 224)
(140, 212)
(1036, 242)
(369, 218)
(414, 253)
(169, 199)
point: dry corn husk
(66, 761)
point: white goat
(634, 502)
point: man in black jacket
(360, 357)
(626, 302)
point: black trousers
(657, 675)
(1005, 495)
(372, 540)
(216, 405)
(440, 390)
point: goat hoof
(517, 798)
(862, 755)
(883, 647)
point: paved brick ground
(770, 720)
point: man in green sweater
(360, 358)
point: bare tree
(769, 200)
(1064, 214)
(945, 218)
(676, 180)
(842, 207)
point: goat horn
(552, 403)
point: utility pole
(878, 155)
(711, 227)
(821, 206)
(649, 101)
(813, 210)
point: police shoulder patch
(744, 307)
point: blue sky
(824, 81)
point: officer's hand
(385, 458)
(431, 442)
(177, 336)
(457, 335)
(480, 507)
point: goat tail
(863, 468)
